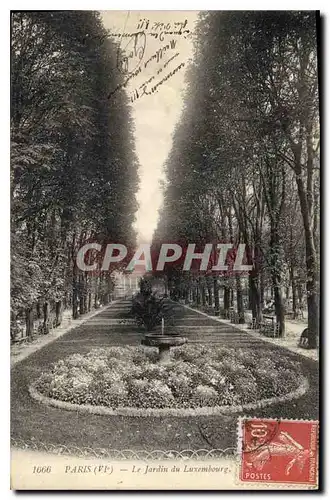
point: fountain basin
(164, 343)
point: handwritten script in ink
(149, 56)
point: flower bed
(197, 376)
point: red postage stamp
(278, 451)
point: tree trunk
(294, 291)
(209, 290)
(38, 310)
(194, 294)
(250, 298)
(294, 301)
(240, 303)
(216, 293)
(276, 273)
(255, 298)
(190, 293)
(29, 321)
(300, 293)
(74, 299)
(198, 295)
(311, 267)
(203, 295)
(58, 312)
(231, 297)
(46, 317)
(226, 300)
(279, 307)
(81, 282)
(81, 305)
(262, 289)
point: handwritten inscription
(160, 36)
(146, 66)
(158, 55)
(159, 29)
(129, 58)
(159, 26)
(145, 90)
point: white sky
(155, 115)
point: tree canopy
(73, 162)
(244, 164)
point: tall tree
(74, 168)
(249, 126)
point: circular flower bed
(197, 376)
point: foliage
(244, 163)
(148, 308)
(73, 165)
(196, 376)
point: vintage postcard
(165, 240)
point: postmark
(278, 451)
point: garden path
(32, 422)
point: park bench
(254, 325)
(19, 340)
(233, 317)
(268, 326)
(299, 314)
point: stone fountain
(163, 342)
